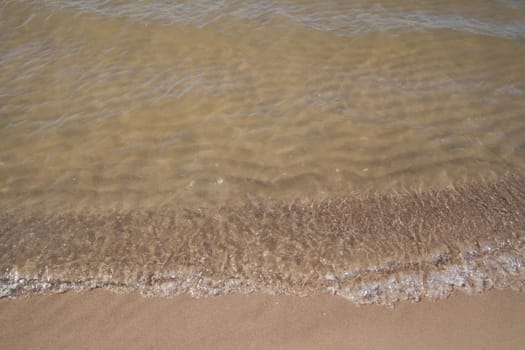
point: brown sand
(101, 320)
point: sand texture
(101, 320)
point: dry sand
(101, 320)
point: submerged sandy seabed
(378, 249)
(101, 320)
(187, 149)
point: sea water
(369, 149)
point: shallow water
(120, 119)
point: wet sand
(102, 320)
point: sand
(102, 320)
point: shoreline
(100, 319)
(375, 249)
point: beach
(249, 174)
(102, 320)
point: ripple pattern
(115, 104)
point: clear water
(298, 147)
